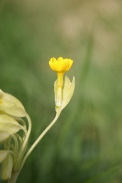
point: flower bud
(11, 105)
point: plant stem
(15, 174)
(13, 177)
(39, 138)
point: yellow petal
(60, 65)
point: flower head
(63, 89)
(11, 105)
(60, 65)
(14, 134)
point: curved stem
(28, 133)
(40, 137)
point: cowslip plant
(15, 123)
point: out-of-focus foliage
(86, 143)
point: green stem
(39, 138)
(16, 173)
(13, 177)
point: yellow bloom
(60, 65)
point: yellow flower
(60, 65)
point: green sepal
(67, 93)
(7, 166)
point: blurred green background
(85, 145)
